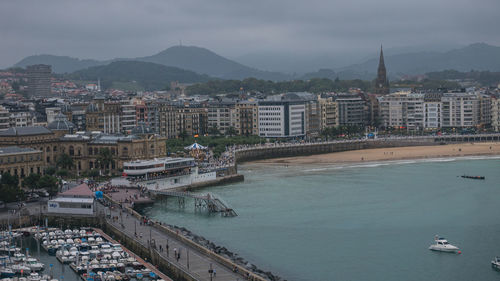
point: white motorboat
(495, 263)
(33, 264)
(442, 245)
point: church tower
(381, 83)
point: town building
(20, 161)
(495, 112)
(460, 110)
(281, 118)
(39, 83)
(351, 110)
(219, 116)
(85, 148)
(22, 119)
(4, 119)
(128, 116)
(433, 118)
(402, 110)
(103, 116)
(77, 201)
(328, 113)
(245, 118)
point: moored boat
(473, 177)
(442, 245)
(495, 263)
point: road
(191, 260)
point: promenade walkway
(191, 260)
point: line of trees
(315, 85)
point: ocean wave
(399, 162)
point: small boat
(495, 263)
(442, 245)
(6, 272)
(473, 177)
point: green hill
(207, 62)
(60, 64)
(149, 76)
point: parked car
(33, 197)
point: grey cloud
(127, 28)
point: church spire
(381, 63)
(381, 83)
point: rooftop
(15, 149)
(104, 139)
(165, 160)
(25, 131)
(81, 190)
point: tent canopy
(195, 146)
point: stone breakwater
(224, 252)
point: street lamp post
(211, 272)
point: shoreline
(389, 154)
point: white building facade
(281, 119)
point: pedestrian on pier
(166, 247)
(178, 256)
(175, 252)
(161, 248)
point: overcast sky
(103, 29)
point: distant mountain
(60, 64)
(485, 78)
(146, 75)
(477, 56)
(192, 58)
(207, 62)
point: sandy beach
(394, 153)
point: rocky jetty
(224, 252)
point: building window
(48, 148)
(71, 150)
(48, 159)
(90, 150)
(54, 149)
(125, 151)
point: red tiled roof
(82, 190)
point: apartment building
(282, 118)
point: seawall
(305, 149)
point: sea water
(369, 221)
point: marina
(87, 253)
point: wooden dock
(208, 202)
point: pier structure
(182, 258)
(202, 202)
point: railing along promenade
(274, 150)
